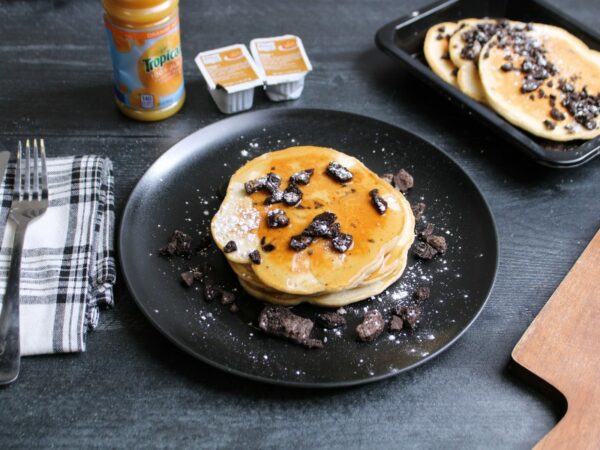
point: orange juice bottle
(143, 36)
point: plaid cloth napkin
(68, 268)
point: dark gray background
(133, 388)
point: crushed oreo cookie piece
(188, 278)
(331, 320)
(269, 183)
(254, 256)
(179, 244)
(410, 314)
(427, 231)
(424, 251)
(277, 218)
(230, 247)
(371, 327)
(422, 293)
(549, 124)
(396, 323)
(321, 225)
(227, 297)
(275, 197)
(378, 202)
(418, 210)
(507, 67)
(302, 177)
(338, 172)
(281, 322)
(292, 195)
(403, 181)
(437, 242)
(313, 343)
(342, 242)
(300, 242)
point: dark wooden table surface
(133, 388)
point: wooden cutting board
(562, 347)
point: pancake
(435, 49)
(457, 42)
(577, 67)
(333, 300)
(468, 82)
(318, 274)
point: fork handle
(10, 347)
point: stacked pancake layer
(538, 77)
(318, 274)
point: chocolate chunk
(371, 326)
(422, 293)
(396, 323)
(254, 256)
(389, 177)
(424, 251)
(275, 197)
(506, 67)
(281, 322)
(300, 242)
(267, 248)
(179, 244)
(321, 225)
(342, 242)
(292, 195)
(418, 209)
(277, 218)
(557, 115)
(188, 278)
(302, 177)
(331, 320)
(410, 314)
(437, 242)
(378, 202)
(231, 246)
(403, 180)
(338, 172)
(549, 124)
(227, 298)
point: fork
(29, 201)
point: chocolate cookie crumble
(410, 314)
(422, 293)
(418, 210)
(179, 244)
(277, 218)
(378, 202)
(371, 327)
(424, 251)
(254, 256)
(403, 181)
(342, 242)
(281, 322)
(300, 242)
(231, 246)
(338, 172)
(302, 177)
(292, 195)
(269, 183)
(331, 320)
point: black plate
(403, 39)
(182, 191)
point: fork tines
(28, 179)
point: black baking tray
(403, 39)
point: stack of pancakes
(538, 77)
(318, 274)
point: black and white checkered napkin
(68, 268)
